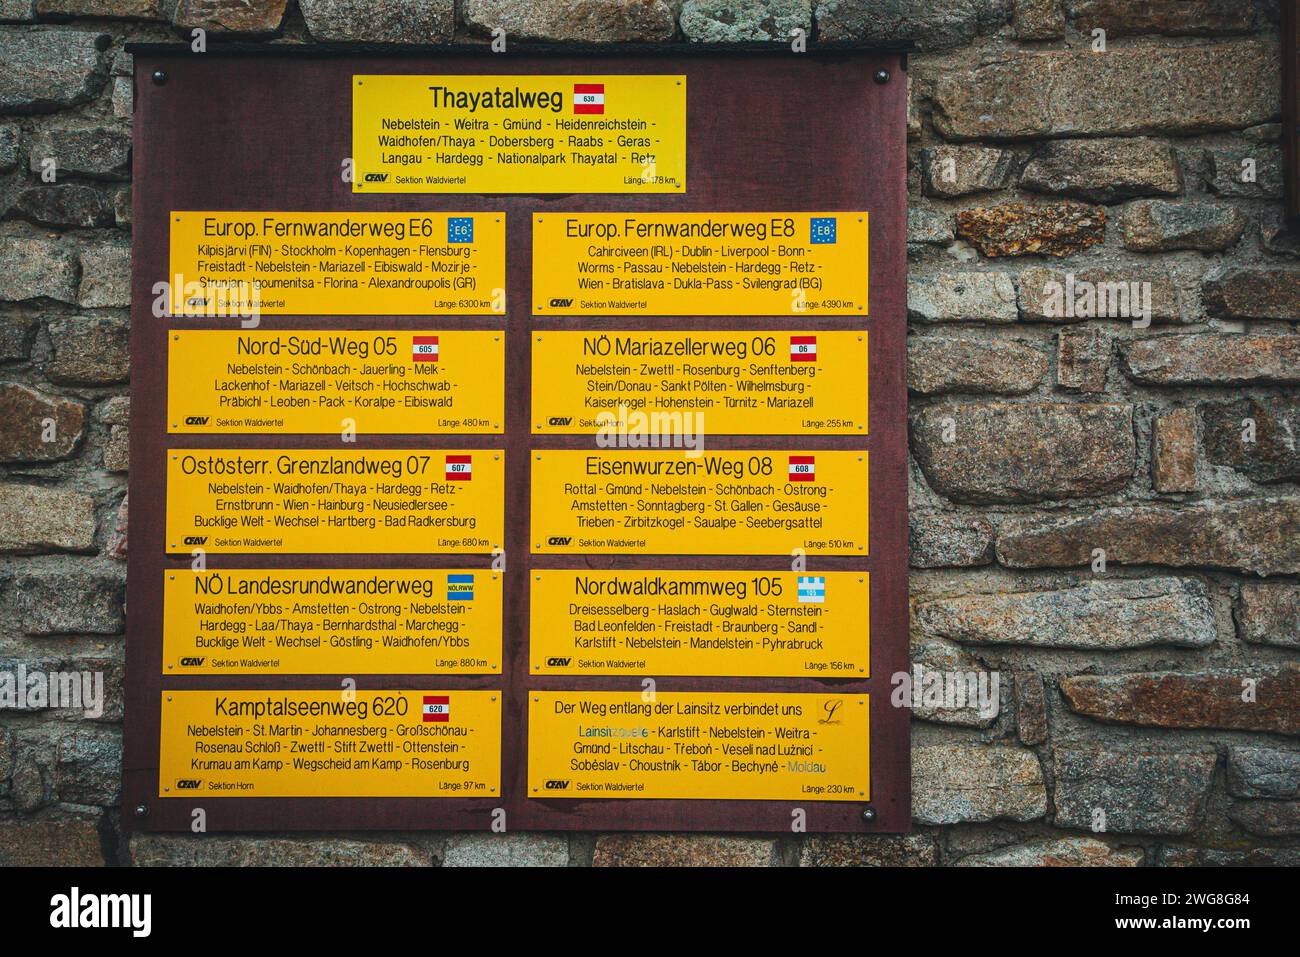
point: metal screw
(882, 76)
(141, 810)
(159, 77)
(868, 813)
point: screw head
(160, 77)
(882, 76)
(141, 810)
(868, 814)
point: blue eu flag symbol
(460, 229)
(823, 230)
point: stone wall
(1161, 690)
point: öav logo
(196, 420)
(558, 662)
(561, 303)
(556, 785)
(196, 539)
(559, 540)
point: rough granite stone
(587, 20)
(1038, 19)
(1138, 89)
(11, 138)
(37, 269)
(1104, 170)
(1247, 173)
(1267, 818)
(731, 21)
(1213, 358)
(929, 227)
(682, 850)
(37, 518)
(1209, 700)
(1121, 18)
(1082, 359)
(1098, 615)
(89, 350)
(51, 839)
(38, 427)
(939, 364)
(105, 275)
(44, 603)
(88, 766)
(113, 9)
(1245, 292)
(17, 333)
(956, 783)
(96, 152)
(1228, 857)
(1264, 773)
(1260, 536)
(1021, 229)
(380, 21)
(1138, 793)
(1152, 226)
(1273, 454)
(869, 850)
(1173, 451)
(506, 850)
(49, 69)
(1269, 614)
(1031, 707)
(944, 540)
(1024, 452)
(71, 205)
(961, 297)
(164, 850)
(950, 171)
(117, 450)
(931, 24)
(243, 17)
(1119, 291)
(1066, 852)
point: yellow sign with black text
(723, 623)
(700, 264)
(362, 501)
(641, 502)
(516, 133)
(720, 383)
(332, 621)
(426, 744)
(753, 746)
(318, 382)
(248, 264)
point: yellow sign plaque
(569, 133)
(424, 744)
(723, 383)
(700, 264)
(315, 382)
(640, 502)
(741, 623)
(299, 501)
(332, 621)
(329, 264)
(698, 745)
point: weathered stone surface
(589, 20)
(105, 275)
(1031, 707)
(1261, 536)
(89, 350)
(929, 227)
(1067, 852)
(1136, 89)
(97, 152)
(944, 540)
(36, 518)
(115, 411)
(961, 297)
(52, 839)
(1212, 358)
(36, 269)
(1248, 173)
(1152, 226)
(949, 687)
(1121, 18)
(506, 850)
(1004, 452)
(681, 850)
(932, 24)
(1102, 615)
(38, 427)
(1267, 818)
(1242, 292)
(69, 205)
(938, 364)
(1039, 19)
(122, 207)
(88, 766)
(1139, 793)
(1228, 857)
(955, 783)
(115, 9)
(1274, 453)
(950, 171)
(1082, 360)
(1211, 700)
(1269, 614)
(1173, 451)
(862, 850)
(17, 11)
(47, 70)
(245, 17)
(64, 602)
(1264, 773)
(729, 21)
(17, 333)
(1099, 292)
(10, 140)
(380, 21)
(123, 97)
(159, 850)
(1020, 229)
(117, 540)
(117, 451)
(1105, 170)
